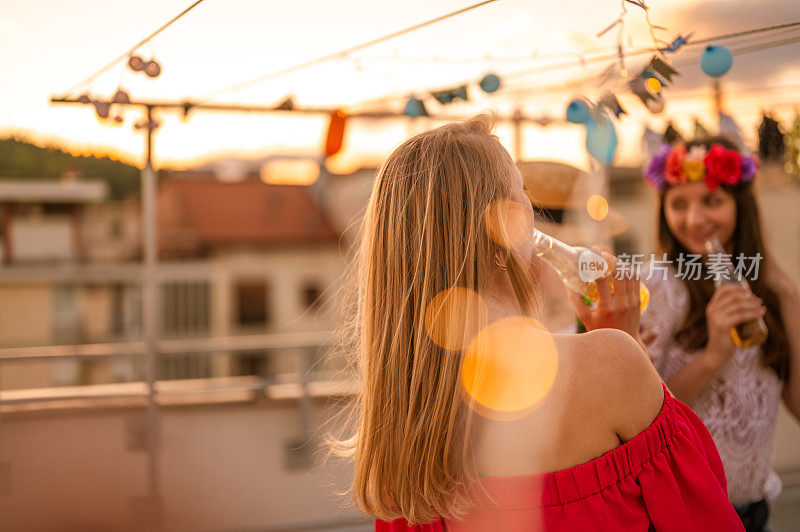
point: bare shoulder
(610, 368)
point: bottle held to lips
(748, 334)
(577, 266)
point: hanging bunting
(101, 108)
(335, 136)
(286, 105)
(656, 104)
(730, 129)
(448, 96)
(415, 107)
(610, 102)
(637, 86)
(664, 70)
(651, 142)
(121, 97)
(679, 41)
(770, 139)
(671, 134)
(700, 132)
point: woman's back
(606, 392)
(608, 449)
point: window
(312, 296)
(251, 303)
(186, 308)
(186, 311)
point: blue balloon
(601, 140)
(716, 60)
(490, 83)
(578, 112)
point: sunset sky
(46, 47)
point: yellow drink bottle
(577, 266)
(748, 334)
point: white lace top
(740, 405)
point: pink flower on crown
(673, 169)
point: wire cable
(110, 64)
(341, 53)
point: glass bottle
(577, 266)
(748, 334)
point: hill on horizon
(20, 159)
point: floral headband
(673, 165)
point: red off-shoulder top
(667, 478)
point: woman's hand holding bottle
(731, 305)
(616, 308)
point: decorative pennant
(638, 88)
(656, 105)
(664, 70)
(610, 102)
(415, 107)
(770, 139)
(448, 96)
(679, 41)
(700, 132)
(286, 105)
(651, 81)
(121, 97)
(671, 134)
(101, 108)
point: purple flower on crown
(655, 172)
(749, 168)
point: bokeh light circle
(454, 316)
(508, 222)
(510, 366)
(597, 207)
(653, 85)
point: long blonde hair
(424, 232)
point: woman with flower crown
(705, 190)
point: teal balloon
(490, 83)
(716, 60)
(578, 112)
(601, 140)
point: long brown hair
(424, 232)
(747, 240)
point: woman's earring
(499, 264)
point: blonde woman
(575, 432)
